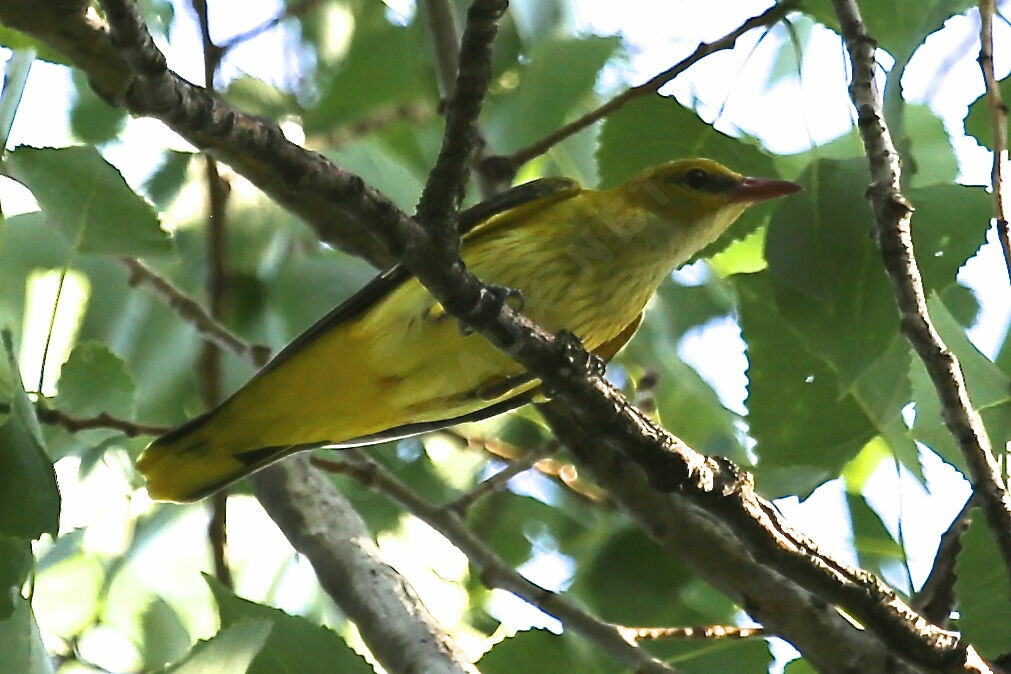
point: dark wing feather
(386, 282)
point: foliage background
(837, 412)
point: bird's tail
(193, 461)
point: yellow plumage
(389, 362)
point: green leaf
(16, 40)
(559, 76)
(725, 655)
(633, 582)
(933, 158)
(949, 225)
(799, 666)
(656, 129)
(165, 637)
(385, 65)
(899, 26)
(874, 545)
(551, 652)
(166, 181)
(29, 497)
(92, 119)
(977, 120)
(981, 586)
(806, 429)
(230, 651)
(294, 644)
(511, 523)
(87, 198)
(20, 641)
(829, 283)
(15, 565)
(95, 380)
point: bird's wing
(529, 196)
(607, 350)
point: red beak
(754, 190)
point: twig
(291, 10)
(445, 42)
(893, 214)
(562, 471)
(998, 121)
(936, 599)
(217, 280)
(130, 429)
(697, 633)
(495, 573)
(193, 313)
(651, 86)
(500, 479)
(444, 189)
(446, 45)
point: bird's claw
(493, 298)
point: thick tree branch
(893, 214)
(751, 564)
(323, 526)
(495, 573)
(998, 122)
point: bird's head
(700, 193)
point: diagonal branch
(512, 163)
(193, 313)
(893, 214)
(322, 525)
(998, 122)
(495, 573)
(739, 542)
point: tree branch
(893, 214)
(290, 10)
(495, 573)
(444, 189)
(499, 480)
(511, 163)
(695, 633)
(738, 542)
(998, 122)
(321, 524)
(193, 313)
(130, 429)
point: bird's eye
(696, 178)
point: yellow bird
(389, 363)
